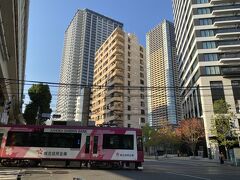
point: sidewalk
(190, 158)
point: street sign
(46, 115)
(56, 116)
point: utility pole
(37, 118)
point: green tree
(149, 136)
(40, 97)
(168, 139)
(221, 125)
(163, 137)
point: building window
(217, 90)
(129, 91)
(129, 47)
(141, 55)
(203, 22)
(209, 45)
(141, 75)
(207, 33)
(141, 61)
(141, 82)
(129, 68)
(203, 10)
(142, 96)
(212, 70)
(129, 83)
(129, 54)
(210, 57)
(141, 49)
(129, 125)
(129, 99)
(129, 117)
(141, 68)
(129, 76)
(236, 94)
(142, 104)
(142, 112)
(143, 120)
(202, 1)
(129, 61)
(129, 108)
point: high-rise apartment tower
(207, 40)
(163, 96)
(85, 34)
(119, 93)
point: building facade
(13, 46)
(85, 34)
(207, 39)
(119, 93)
(163, 95)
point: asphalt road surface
(164, 169)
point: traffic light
(8, 106)
(232, 124)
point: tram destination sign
(54, 130)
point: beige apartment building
(119, 93)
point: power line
(54, 84)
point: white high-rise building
(207, 40)
(84, 35)
(163, 96)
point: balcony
(116, 108)
(114, 99)
(217, 2)
(118, 72)
(229, 45)
(115, 89)
(232, 71)
(227, 23)
(230, 58)
(225, 11)
(116, 80)
(228, 35)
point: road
(164, 169)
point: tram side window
(17, 139)
(95, 144)
(87, 147)
(116, 141)
(139, 143)
(36, 139)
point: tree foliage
(221, 107)
(40, 97)
(190, 131)
(167, 136)
(163, 136)
(221, 124)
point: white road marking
(9, 174)
(186, 175)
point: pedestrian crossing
(10, 175)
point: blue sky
(48, 20)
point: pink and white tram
(94, 146)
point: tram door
(1, 137)
(95, 146)
(92, 147)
